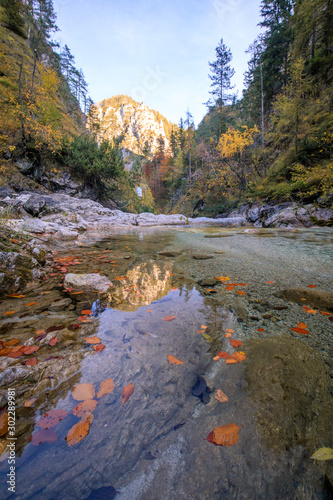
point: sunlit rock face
(149, 281)
(139, 126)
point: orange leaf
(127, 392)
(43, 436)
(224, 355)
(82, 410)
(261, 330)
(4, 352)
(79, 431)
(270, 282)
(221, 397)
(300, 330)
(312, 286)
(93, 340)
(87, 312)
(105, 388)
(3, 423)
(204, 327)
(238, 356)
(31, 362)
(227, 335)
(235, 343)
(149, 310)
(302, 325)
(16, 296)
(81, 392)
(240, 292)
(226, 435)
(230, 361)
(8, 313)
(325, 313)
(99, 347)
(15, 354)
(54, 341)
(230, 288)
(169, 318)
(309, 310)
(229, 330)
(9, 343)
(222, 278)
(174, 361)
(200, 331)
(29, 349)
(51, 418)
(216, 358)
(31, 304)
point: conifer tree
(221, 79)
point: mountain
(137, 127)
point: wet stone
(202, 256)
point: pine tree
(189, 123)
(221, 79)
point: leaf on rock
(261, 330)
(169, 318)
(16, 296)
(227, 335)
(79, 431)
(230, 361)
(325, 313)
(174, 361)
(43, 436)
(51, 418)
(229, 330)
(220, 396)
(54, 341)
(223, 354)
(15, 354)
(239, 356)
(87, 312)
(312, 286)
(31, 304)
(93, 340)
(209, 438)
(323, 454)
(222, 278)
(31, 362)
(204, 327)
(235, 343)
(240, 292)
(8, 313)
(270, 282)
(300, 330)
(226, 435)
(230, 288)
(216, 358)
(74, 326)
(3, 423)
(5, 352)
(82, 410)
(309, 310)
(81, 392)
(84, 319)
(10, 343)
(55, 328)
(302, 325)
(105, 388)
(127, 392)
(99, 347)
(207, 337)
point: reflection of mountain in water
(147, 282)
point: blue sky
(156, 51)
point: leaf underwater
(105, 388)
(127, 392)
(43, 436)
(226, 435)
(174, 361)
(169, 318)
(79, 431)
(84, 409)
(81, 392)
(220, 396)
(235, 343)
(51, 418)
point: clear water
(154, 446)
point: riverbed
(180, 292)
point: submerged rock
(87, 282)
(321, 299)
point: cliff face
(139, 127)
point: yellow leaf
(323, 454)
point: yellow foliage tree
(236, 167)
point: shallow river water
(176, 292)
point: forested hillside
(274, 143)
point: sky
(156, 51)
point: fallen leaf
(74, 326)
(209, 438)
(174, 361)
(81, 392)
(105, 388)
(309, 310)
(300, 330)
(16, 296)
(93, 340)
(227, 335)
(10, 343)
(86, 312)
(43, 436)
(31, 362)
(220, 396)
(240, 292)
(207, 337)
(79, 431)
(31, 304)
(99, 347)
(216, 358)
(51, 418)
(261, 330)
(3, 423)
(230, 288)
(226, 435)
(54, 341)
(82, 410)
(312, 286)
(239, 356)
(302, 325)
(5, 352)
(200, 331)
(222, 278)
(204, 327)
(323, 454)
(15, 354)
(8, 313)
(270, 282)
(229, 330)
(224, 355)
(30, 402)
(30, 349)
(230, 361)
(325, 313)
(235, 343)
(169, 318)
(55, 328)
(149, 310)
(127, 392)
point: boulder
(225, 222)
(66, 234)
(289, 217)
(87, 282)
(148, 219)
(34, 205)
